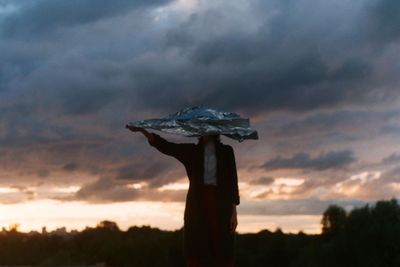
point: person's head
(210, 138)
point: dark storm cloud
(263, 180)
(303, 85)
(142, 171)
(36, 17)
(21, 126)
(71, 166)
(391, 159)
(327, 129)
(105, 189)
(279, 65)
(324, 161)
(286, 63)
(43, 173)
(72, 73)
(108, 190)
(86, 101)
(338, 121)
(384, 20)
(391, 129)
(391, 175)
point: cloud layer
(318, 80)
(329, 160)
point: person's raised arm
(149, 136)
(179, 151)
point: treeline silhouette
(368, 236)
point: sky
(318, 79)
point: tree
(333, 220)
(108, 225)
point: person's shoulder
(226, 147)
(188, 144)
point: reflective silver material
(201, 121)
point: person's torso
(210, 164)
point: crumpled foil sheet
(201, 121)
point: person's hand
(233, 222)
(149, 136)
(134, 128)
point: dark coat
(192, 157)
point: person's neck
(208, 142)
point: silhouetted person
(210, 217)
